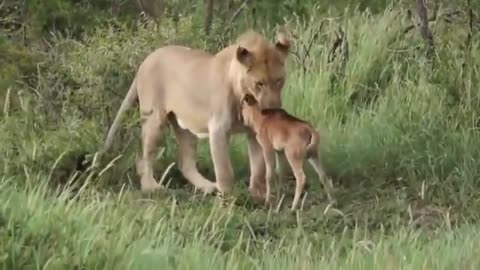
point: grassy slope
(403, 165)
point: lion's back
(172, 55)
(173, 64)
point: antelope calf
(276, 130)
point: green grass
(97, 230)
(401, 144)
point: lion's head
(261, 67)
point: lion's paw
(208, 187)
(152, 187)
(257, 195)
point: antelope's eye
(279, 82)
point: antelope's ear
(249, 100)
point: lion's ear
(249, 99)
(245, 56)
(283, 42)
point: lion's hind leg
(153, 122)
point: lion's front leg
(219, 143)
(187, 152)
(257, 186)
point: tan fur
(199, 95)
(276, 130)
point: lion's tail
(126, 103)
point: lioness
(277, 130)
(199, 94)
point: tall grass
(400, 142)
(126, 231)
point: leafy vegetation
(401, 140)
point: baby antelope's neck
(257, 119)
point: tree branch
(470, 25)
(234, 17)
(340, 39)
(209, 16)
(424, 29)
(445, 17)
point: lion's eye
(259, 84)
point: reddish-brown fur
(277, 130)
